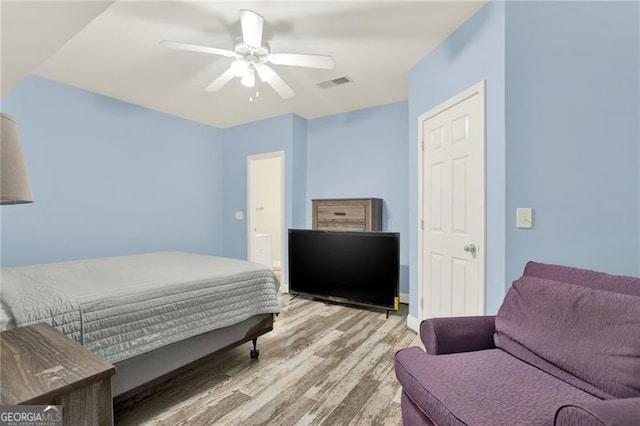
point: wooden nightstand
(40, 366)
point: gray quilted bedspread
(120, 307)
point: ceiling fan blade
(252, 24)
(197, 48)
(219, 82)
(269, 76)
(297, 60)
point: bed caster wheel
(254, 353)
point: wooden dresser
(348, 214)
(40, 366)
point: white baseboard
(404, 297)
(413, 323)
(277, 264)
(284, 287)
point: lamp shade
(14, 181)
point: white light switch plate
(524, 218)
(239, 216)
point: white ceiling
(374, 43)
(32, 31)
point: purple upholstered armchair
(564, 349)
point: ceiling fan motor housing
(254, 55)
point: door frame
(480, 90)
(250, 201)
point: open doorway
(265, 208)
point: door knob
(470, 248)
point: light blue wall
(363, 154)
(371, 162)
(572, 129)
(299, 184)
(473, 53)
(109, 178)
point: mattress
(120, 307)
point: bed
(150, 315)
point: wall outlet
(239, 215)
(524, 218)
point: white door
(453, 207)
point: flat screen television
(355, 267)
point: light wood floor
(324, 364)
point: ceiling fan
(251, 55)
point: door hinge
(421, 304)
(422, 144)
(422, 225)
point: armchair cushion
(615, 412)
(588, 338)
(458, 334)
(481, 388)
(596, 280)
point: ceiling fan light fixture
(239, 68)
(249, 79)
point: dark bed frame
(141, 372)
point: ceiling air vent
(335, 82)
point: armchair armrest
(612, 412)
(457, 334)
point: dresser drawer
(342, 226)
(342, 213)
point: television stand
(345, 302)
